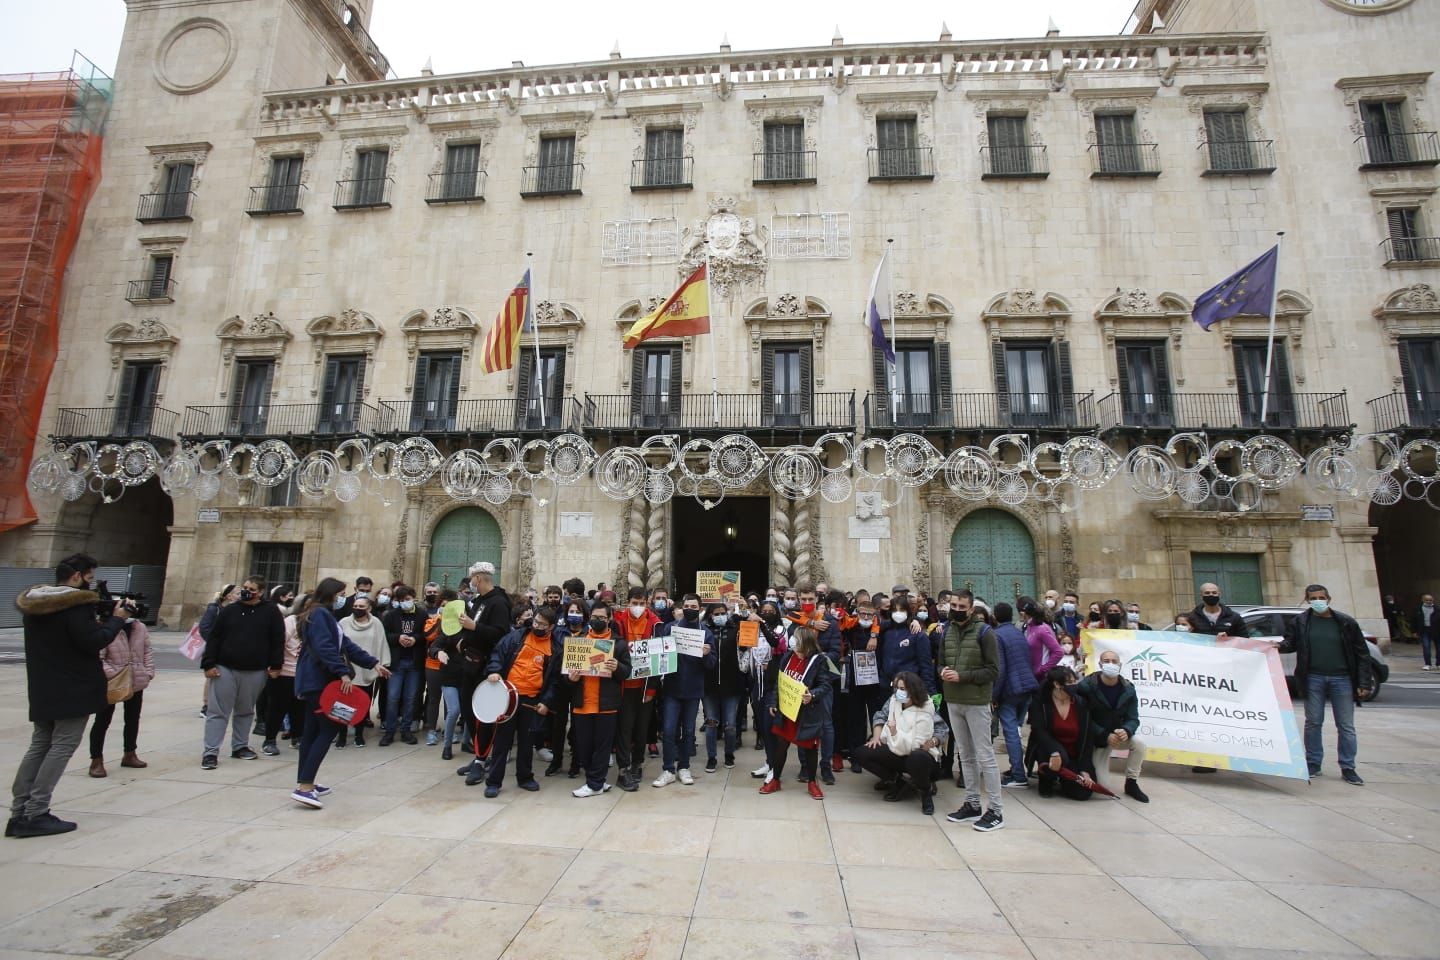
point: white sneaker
(762, 772)
(606, 788)
(584, 791)
(612, 760)
(685, 777)
(664, 780)
(1426, 667)
(544, 755)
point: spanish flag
(685, 314)
(502, 343)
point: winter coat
(688, 680)
(509, 648)
(900, 650)
(1352, 643)
(969, 650)
(131, 647)
(1042, 741)
(326, 654)
(63, 639)
(1045, 652)
(399, 623)
(1017, 676)
(726, 680)
(207, 619)
(246, 636)
(914, 724)
(820, 682)
(371, 639)
(1420, 623)
(493, 620)
(609, 686)
(1230, 622)
(1105, 719)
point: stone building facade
(1050, 207)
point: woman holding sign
(798, 704)
(595, 701)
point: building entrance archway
(461, 538)
(993, 556)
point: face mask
(599, 624)
(902, 695)
(339, 602)
(1110, 669)
(432, 598)
(1067, 648)
(1050, 603)
(1133, 617)
(791, 604)
(574, 619)
(1068, 607)
(962, 613)
(540, 631)
(362, 595)
(246, 596)
(720, 619)
(407, 605)
(922, 615)
(384, 600)
(867, 621)
(772, 597)
(1428, 606)
(361, 616)
(1319, 606)
(661, 604)
(1211, 599)
(691, 615)
(1182, 628)
(1114, 620)
(899, 616)
(637, 611)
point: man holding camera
(66, 684)
(246, 645)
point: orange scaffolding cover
(50, 139)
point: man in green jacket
(969, 664)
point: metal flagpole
(1270, 342)
(890, 295)
(714, 338)
(533, 306)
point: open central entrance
(735, 535)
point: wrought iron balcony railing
(1024, 162)
(1235, 157)
(153, 290)
(981, 411)
(116, 424)
(551, 180)
(275, 199)
(726, 412)
(250, 421)
(1412, 410)
(901, 163)
(1420, 148)
(370, 193)
(1410, 249)
(662, 173)
(501, 415)
(796, 166)
(1224, 411)
(160, 207)
(1125, 159)
(464, 186)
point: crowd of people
(908, 687)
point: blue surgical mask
(660, 604)
(1319, 606)
(383, 599)
(339, 603)
(574, 619)
(407, 605)
(720, 619)
(901, 695)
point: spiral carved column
(792, 541)
(645, 545)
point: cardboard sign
(749, 633)
(689, 641)
(648, 658)
(579, 656)
(867, 668)
(717, 584)
(790, 692)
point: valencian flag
(502, 343)
(877, 312)
(685, 314)
(1250, 292)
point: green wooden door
(1238, 575)
(461, 538)
(992, 555)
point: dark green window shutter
(1064, 380)
(1008, 153)
(328, 400)
(126, 401)
(807, 382)
(767, 384)
(881, 377)
(943, 387)
(453, 400)
(673, 401)
(417, 393)
(637, 382)
(1002, 380)
(526, 395)
(160, 268)
(1161, 357)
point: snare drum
(494, 702)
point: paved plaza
(405, 861)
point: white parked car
(1272, 622)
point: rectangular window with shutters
(250, 395)
(282, 192)
(1405, 243)
(135, 400)
(1383, 123)
(277, 563)
(1009, 147)
(178, 177)
(159, 277)
(898, 154)
(1250, 384)
(462, 171)
(787, 390)
(785, 157)
(655, 387)
(1420, 375)
(540, 388)
(1117, 146)
(665, 157)
(435, 397)
(368, 187)
(556, 172)
(1228, 140)
(340, 397)
(1144, 373)
(1034, 383)
(921, 388)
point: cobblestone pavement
(404, 860)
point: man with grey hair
(485, 621)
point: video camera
(134, 603)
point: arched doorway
(461, 538)
(993, 555)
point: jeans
(404, 683)
(519, 731)
(52, 744)
(679, 732)
(970, 726)
(131, 709)
(720, 714)
(320, 731)
(1012, 715)
(432, 699)
(1336, 689)
(232, 701)
(451, 696)
(594, 736)
(1427, 643)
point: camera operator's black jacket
(63, 640)
(246, 637)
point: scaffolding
(51, 126)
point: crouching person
(904, 742)
(1114, 718)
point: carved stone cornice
(351, 332)
(1136, 314)
(788, 316)
(1024, 313)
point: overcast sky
(463, 35)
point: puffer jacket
(131, 646)
(63, 640)
(1016, 676)
(914, 725)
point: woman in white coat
(903, 741)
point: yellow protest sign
(578, 655)
(790, 691)
(717, 584)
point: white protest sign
(689, 641)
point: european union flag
(1250, 291)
